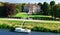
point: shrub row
(42, 29)
(6, 26)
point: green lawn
(26, 15)
(22, 15)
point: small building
(31, 8)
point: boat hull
(21, 30)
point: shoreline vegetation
(34, 26)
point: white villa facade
(32, 8)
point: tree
(40, 4)
(52, 3)
(1, 9)
(9, 10)
(23, 4)
(45, 8)
(18, 8)
(56, 11)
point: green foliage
(4, 26)
(52, 3)
(40, 4)
(18, 8)
(23, 4)
(40, 29)
(7, 9)
(45, 8)
(56, 11)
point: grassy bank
(34, 26)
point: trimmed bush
(42, 29)
(4, 26)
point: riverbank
(34, 26)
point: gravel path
(46, 21)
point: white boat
(22, 30)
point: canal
(7, 32)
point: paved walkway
(46, 21)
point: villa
(31, 8)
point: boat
(21, 30)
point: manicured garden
(34, 26)
(26, 15)
(22, 15)
(36, 17)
